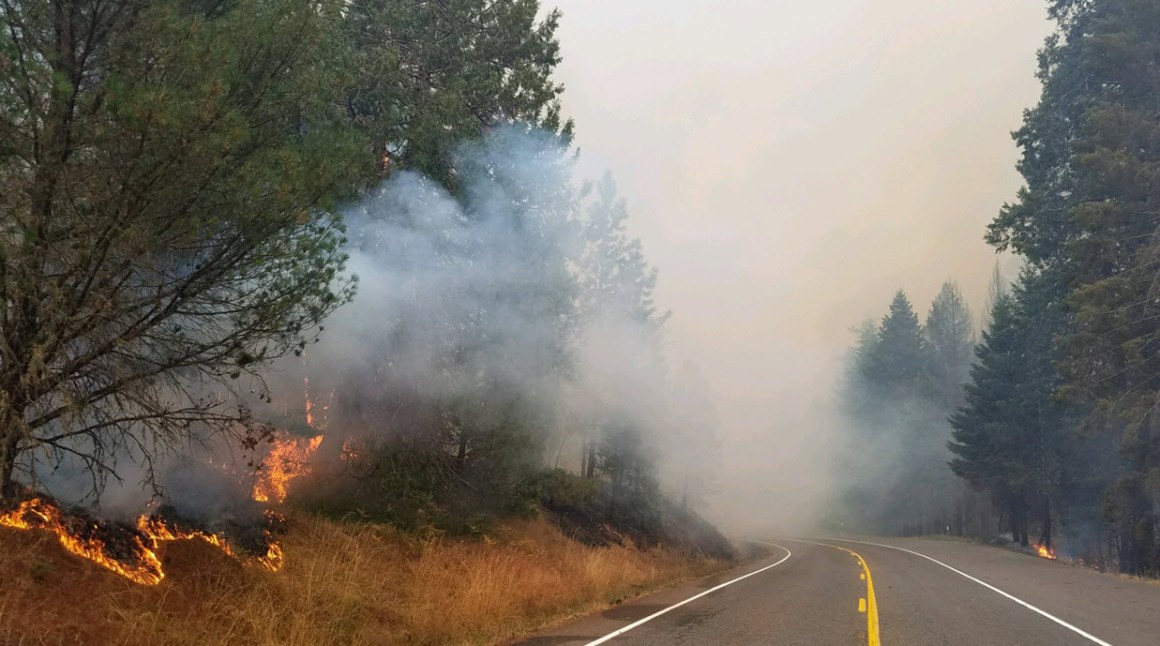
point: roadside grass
(343, 583)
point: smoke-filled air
(566, 322)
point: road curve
(927, 592)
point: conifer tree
(950, 338)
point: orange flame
(288, 459)
(272, 559)
(159, 531)
(142, 566)
(311, 421)
(135, 555)
(1044, 551)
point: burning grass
(131, 550)
(342, 583)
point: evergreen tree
(424, 77)
(897, 364)
(1012, 437)
(896, 404)
(987, 425)
(621, 333)
(950, 338)
(1114, 349)
(1086, 220)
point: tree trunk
(1045, 532)
(9, 449)
(461, 457)
(590, 461)
(1024, 539)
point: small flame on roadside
(1044, 551)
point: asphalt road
(921, 592)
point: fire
(272, 559)
(311, 419)
(309, 402)
(288, 458)
(1044, 551)
(128, 551)
(161, 531)
(138, 562)
(131, 551)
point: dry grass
(342, 584)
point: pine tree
(1012, 437)
(1114, 349)
(897, 366)
(987, 426)
(424, 77)
(621, 334)
(950, 338)
(1087, 221)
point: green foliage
(1086, 222)
(384, 482)
(896, 363)
(427, 76)
(902, 380)
(992, 410)
(950, 341)
(562, 490)
(169, 174)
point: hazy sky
(789, 165)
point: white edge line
(658, 613)
(1012, 597)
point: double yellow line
(866, 604)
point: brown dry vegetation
(343, 583)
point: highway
(921, 592)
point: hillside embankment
(349, 583)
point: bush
(559, 489)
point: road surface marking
(872, 638)
(658, 613)
(861, 604)
(1012, 597)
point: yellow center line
(867, 605)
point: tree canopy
(168, 224)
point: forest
(337, 258)
(1037, 419)
(343, 239)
